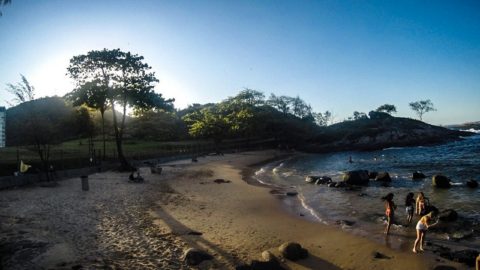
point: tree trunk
(124, 165)
(103, 133)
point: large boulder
(293, 251)
(372, 175)
(440, 181)
(359, 177)
(194, 256)
(448, 215)
(378, 115)
(383, 177)
(472, 183)
(418, 176)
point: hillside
(380, 131)
(467, 126)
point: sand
(119, 224)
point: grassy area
(75, 153)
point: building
(3, 117)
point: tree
(300, 109)
(4, 3)
(281, 103)
(387, 108)
(322, 119)
(127, 81)
(94, 95)
(38, 123)
(249, 97)
(421, 107)
(359, 115)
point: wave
(393, 148)
(472, 130)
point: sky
(341, 56)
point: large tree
(128, 82)
(421, 107)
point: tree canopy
(421, 107)
(127, 82)
(387, 108)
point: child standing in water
(420, 204)
(422, 227)
(389, 211)
(409, 203)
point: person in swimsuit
(420, 204)
(409, 203)
(422, 226)
(389, 211)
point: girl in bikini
(422, 227)
(420, 204)
(389, 211)
(409, 203)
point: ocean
(460, 161)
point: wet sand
(119, 224)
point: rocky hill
(380, 131)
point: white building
(3, 117)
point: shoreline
(120, 224)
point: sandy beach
(123, 225)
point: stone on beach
(418, 176)
(293, 251)
(358, 177)
(193, 256)
(440, 181)
(448, 215)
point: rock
(378, 255)
(340, 184)
(293, 251)
(194, 233)
(359, 177)
(323, 180)
(383, 177)
(271, 265)
(311, 179)
(268, 256)
(472, 183)
(319, 180)
(194, 256)
(291, 193)
(418, 175)
(372, 175)
(440, 181)
(221, 181)
(448, 215)
(431, 208)
(333, 184)
(460, 235)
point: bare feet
(414, 251)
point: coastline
(119, 224)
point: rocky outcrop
(359, 177)
(440, 181)
(378, 132)
(293, 251)
(383, 177)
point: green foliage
(125, 79)
(421, 107)
(359, 115)
(387, 108)
(322, 119)
(158, 126)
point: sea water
(459, 160)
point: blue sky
(341, 56)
